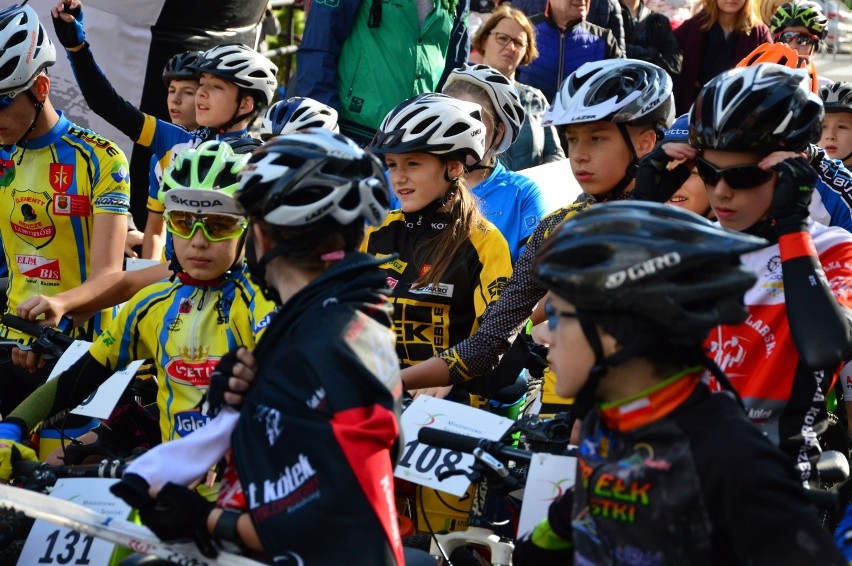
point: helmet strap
(39, 106)
(236, 117)
(617, 192)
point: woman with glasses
(634, 290)
(185, 324)
(722, 33)
(506, 41)
(748, 130)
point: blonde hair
(501, 13)
(747, 17)
(768, 9)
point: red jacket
(691, 40)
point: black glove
(789, 208)
(134, 490)
(70, 34)
(215, 398)
(654, 181)
(180, 513)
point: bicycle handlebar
(467, 444)
(48, 340)
(40, 474)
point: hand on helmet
(68, 23)
(654, 180)
(793, 190)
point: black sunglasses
(737, 177)
(800, 37)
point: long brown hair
(439, 251)
(747, 17)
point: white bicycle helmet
(305, 177)
(26, 49)
(297, 113)
(837, 97)
(624, 91)
(502, 94)
(242, 66)
(432, 123)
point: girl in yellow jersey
(185, 324)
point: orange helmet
(782, 55)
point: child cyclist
(321, 416)
(451, 263)
(668, 472)
(749, 124)
(836, 137)
(294, 114)
(185, 324)
(181, 83)
(612, 112)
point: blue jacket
(563, 52)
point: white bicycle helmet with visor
(433, 123)
(503, 97)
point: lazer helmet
(242, 66)
(757, 109)
(623, 91)
(780, 54)
(306, 177)
(660, 262)
(297, 113)
(25, 49)
(503, 97)
(804, 13)
(432, 123)
(203, 180)
(177, 68)
(837, 97)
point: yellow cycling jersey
(428, 319)
(185, 329)
(53, 188)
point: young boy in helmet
(185, 324)
(323, 408)
(234, 82)
(65, 195)
(610, 122)
(294, 114)
(750, 125)
(668, 472)
(801, 24)
(836, 137)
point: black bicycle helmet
(837, 97)
(660, 262)
(302, 178)
(177, 68)
(804, 13)
(758, 109)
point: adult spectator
(721, 34)
(505, 41)
(649, 37)
(605, 13)
(363, 57)
(566, 41)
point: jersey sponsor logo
(120, 174)
(271, 419)
(530, 221)
(185, 305)
(496, 287)
(95, 140)
(188, 421)
(296, 485)
(71, 205)
(642, 269)
(7, 172)
(192, 367)
(391, 282)
(31, 221)
(38, 267)
(61, 175)
(109, 201)
(425, 269)
(395, 264)
(195, 203)
(264, 322)
(435, 289)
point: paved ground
(835, 67)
